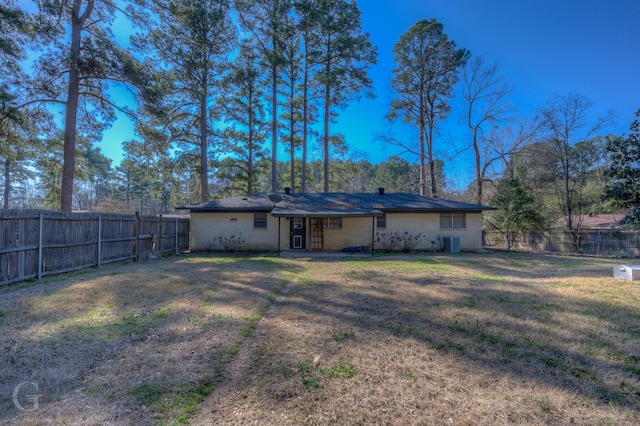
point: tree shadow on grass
(181, 329)
(495, 315)
(103, 335)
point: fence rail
(599, 242)
(34, 244)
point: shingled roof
(333, 204)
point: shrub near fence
(599, 242)
(38, 243)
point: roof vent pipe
(381, 191)
(287, 191)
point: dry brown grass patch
(464, 339)
(137, 343)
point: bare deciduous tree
(486, 94)
(567, 120)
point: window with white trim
(452, 221)
(381, 221)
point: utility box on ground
(627, 272)
(451, 244)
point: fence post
(160, 236)
(99, 240)
(40, 246)
(20, 242)
(136, 224)
(176, 235)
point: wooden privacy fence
(38, 243)
(599, 242)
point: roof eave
(435, 210)
(325, 214)
(229, 209)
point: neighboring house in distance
(596, 221)
(600, 221)
(331, 221)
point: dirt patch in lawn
(497, 338)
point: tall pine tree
(427, 69)
(343, 53)
(81, 60)
(270, 24)
(190, 42)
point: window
(332, 223)
(381, 221)
(259, 220)
(452, 220)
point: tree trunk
(423, 155)
(305, 136)
(423, 164)
(305, 126)
(71, 108)
(568, 204)
(204, 164)
(479, 178)
(327, 93)
(327, 104)
(292, 130)
(432, 166)
(7, 183)
(563, 149)
(274, 128)
(91, 189)
(250, 154)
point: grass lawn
(502, 338)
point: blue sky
(544, 47)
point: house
(593, 221)
(599, 221)
(331, 221)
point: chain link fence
(599, 242)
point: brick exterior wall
(354, 232)
(207, 226)
(428, 224)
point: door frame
(316, 234)
(298, 233)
